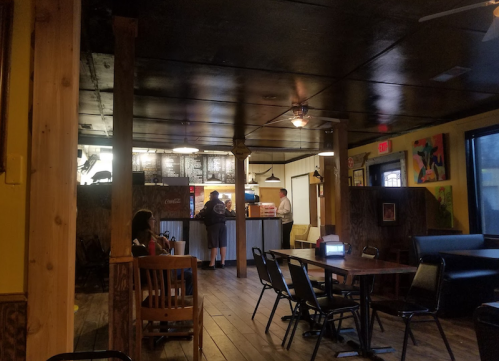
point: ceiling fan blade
(327, 119)
(275, 121)
(458, 10)
(493, 31)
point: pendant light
(327, 150)
(213, 179)
(272, 178)
(185, 148)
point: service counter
(264, 233)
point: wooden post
(327, 202)
(120, 268)
(241, 152)
(342, 193)
(52, 198)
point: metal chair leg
(293, 318)
(294, 328)
(406, 336)
(278, 298)
(444, 338)
(259, 299)
(319, 339)
(357, 327)
(381, 325)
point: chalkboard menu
(150, 163)
(170, 165)
(193, 168)
(198, 167)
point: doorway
(387, 171)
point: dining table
(350, 265)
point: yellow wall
(456, 158)
(13, 197)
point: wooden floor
(230, 334)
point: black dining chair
(326, 307)
(422, 300)
(90, 355)
(263, 274)
(352, 291)
(486, 319)
(282, 289)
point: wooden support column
(120, 268)
(52, 198)
(341, 190)
(241, 152)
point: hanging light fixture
(327, 150)
(300, 118)
(185, 147)
(213, 179)
(272, 178)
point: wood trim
(13, 327)
(13, 297)
(6, 16)
(52, 196)
(124, 259)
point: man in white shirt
(284, 211)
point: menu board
(193, 168)
(150, 163)
(170, 165)
(197, 167)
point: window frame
(473, 177)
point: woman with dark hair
(142, 230)
(142, 233)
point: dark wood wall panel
(365, 211)
(13, 328)
(94, 207)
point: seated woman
(228, 211)
(142, 231)
(145, 239)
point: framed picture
(6, 16)
(320, 190)
(429, 159)
(388, 213)
(358, 177)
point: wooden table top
(350, 265)
(477, 253)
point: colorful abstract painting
(429, 159)
(445, 215)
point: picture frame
(6, 15)
(388, 213)
(358, 177)
(320, 190)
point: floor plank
(230, 334)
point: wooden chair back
(165, 287)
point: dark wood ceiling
(232, 67)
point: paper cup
(179, 248)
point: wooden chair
(157, 301)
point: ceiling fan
(492, 32)
(300, 117)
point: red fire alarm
(385, 147)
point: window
(482, 149)
(391, 178)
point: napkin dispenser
(332, 249)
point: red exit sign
(385, 147)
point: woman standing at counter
(228, 211)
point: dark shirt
(231, 213)
(213, 212)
